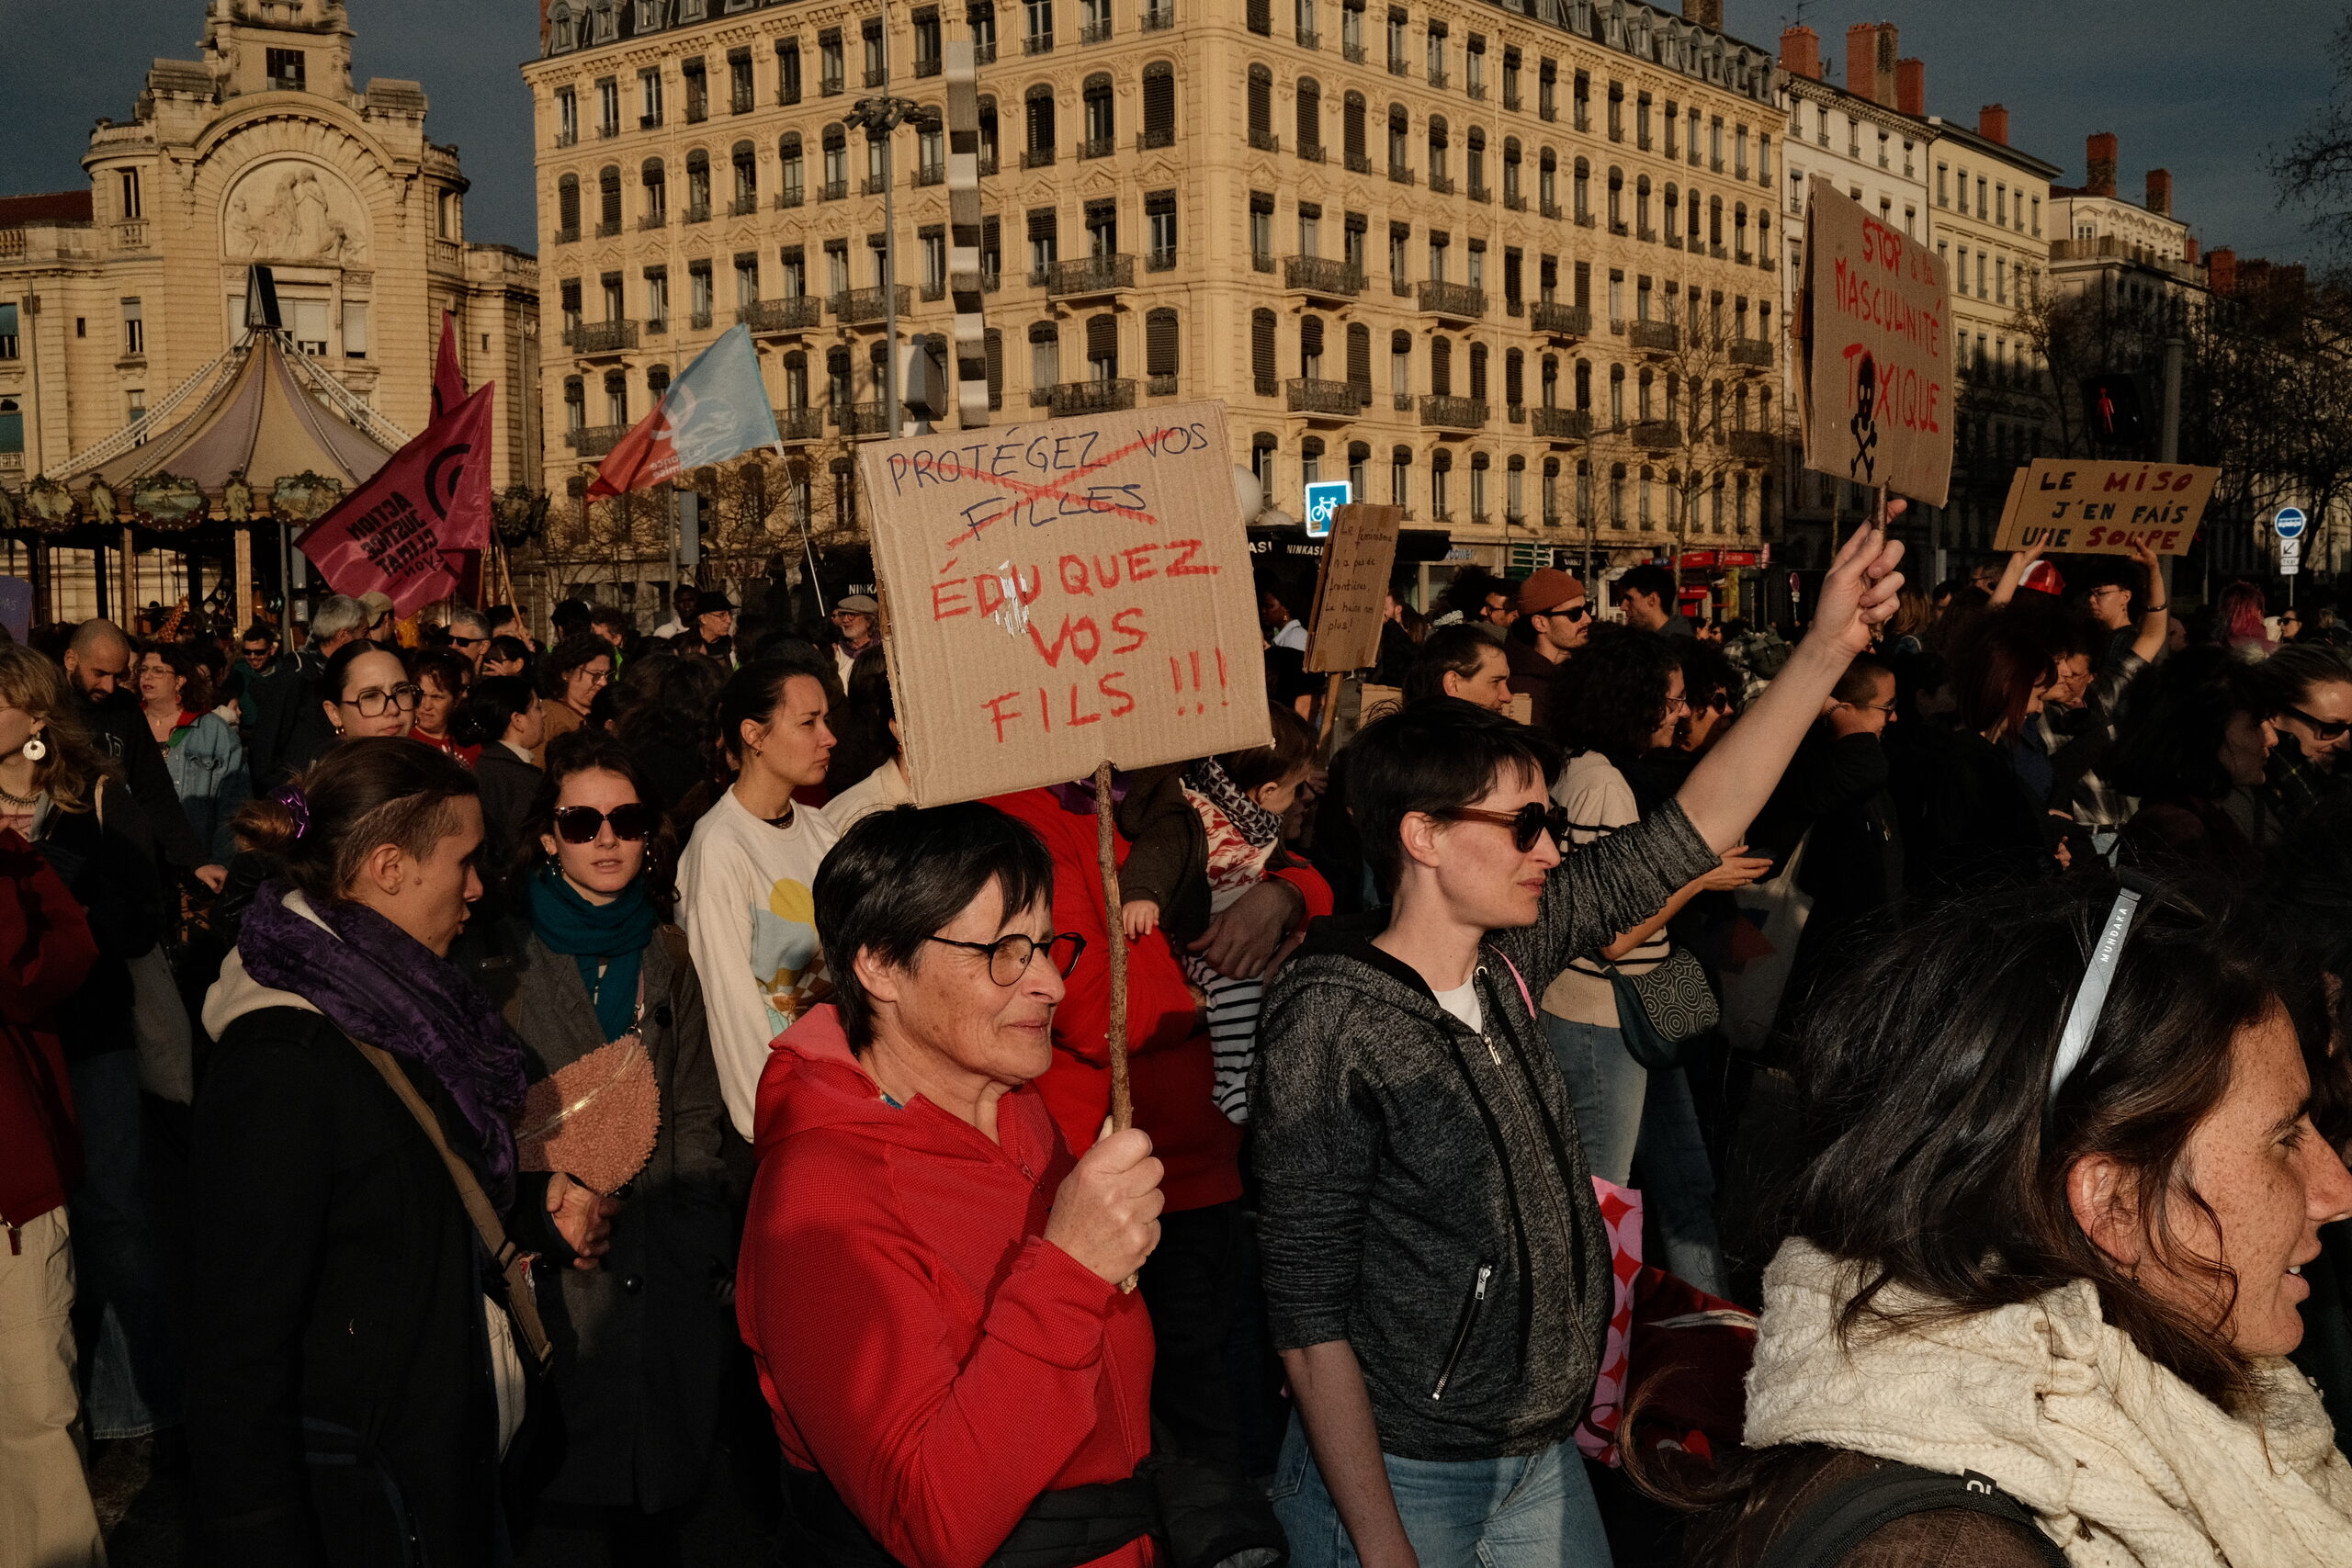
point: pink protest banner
(390, 535)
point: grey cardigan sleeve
(1315, 1135)
(1608, 887)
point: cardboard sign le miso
(1344, 633)
(2069, 506)
(1877, 376)
(1063, 593)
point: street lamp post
(880, 117)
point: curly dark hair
(1611, 695)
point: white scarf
(2127, 1466)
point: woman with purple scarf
(358, 1359)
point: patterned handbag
(1663, 1014)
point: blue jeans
(1528, 1511)
(1639, 1129)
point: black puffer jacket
(1425, 1196)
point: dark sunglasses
(1578, 613)
(579, 824)
(1526, 824)
(2324, 729)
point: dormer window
(561, 34)
(286, 70)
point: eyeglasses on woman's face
(1009, 956)
(375, 701)
(1527, 824)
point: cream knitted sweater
(2127, 1466)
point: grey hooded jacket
(1425, 1195)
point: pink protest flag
(389, 536)
(448, 376)
(717, 410)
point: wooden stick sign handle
(1123, 1111)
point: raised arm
(2155, 610)
(1730, 785)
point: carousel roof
(264, 408)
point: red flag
(449, 377)
(433, 496)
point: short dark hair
(490, 706)
(1433, 758)
(1610, 697)
(1861, 679)
(1291, 748)
(1648, 578)
(613, 616)
(260, 631)
(896, 878)
(1457, 649)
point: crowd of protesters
(449, 1076)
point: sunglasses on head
(1527, 824)
(579, 824)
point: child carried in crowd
(1213, 826)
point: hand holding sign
(1860, 590)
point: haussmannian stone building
(1512, 266)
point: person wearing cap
(714, 623)
(859, 619)
(1558, 617)
(382, 626)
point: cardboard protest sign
(1344, 631)
(1063, 594)
(1377, 702)
(2070, 506)
(1878, 367)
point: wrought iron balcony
(567, 236)
(1072, 398)
(1151, 141)
(782, 315)
(1309, 152)
(1560, 321)
(1159, 386)
(1351, 52)
(1090, 274)
(864, 307)
(1561, 425)
(799, 425)
(595, 440)
(1096, 147)
(1157, 18)
(1753, 352)
(1095, 32)
(1401, 173)
(1456, 300)
(790, 198)
(743, 206)
(601, 337)
(1358, 163)
(697, 212)
(862, 419)
(1654, 337)
(832, 190)
(1323, 276)
(1332, 400)
(1265, 140)
(1656, 435)
(1037, 43)
(1037, 157)
(1441, 185)
(1454, 414)
(1753, 445)
(606, 230)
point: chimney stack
(2188, 249)
(1911, 86)
(1801, 52)
(2160, 192)
(2222, 270)
(2098, 163)
(1861, 60)
(1708, 13)
(1992, 123)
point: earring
(34, 747)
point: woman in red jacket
(46, 950)
(929, 1281)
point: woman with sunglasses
(1617, 702)
(2311, 694)
(2064, 1178)
(597, 983)
(930, 1283)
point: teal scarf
(608, 941)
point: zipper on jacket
(1484, 1038)
(1462, 1330)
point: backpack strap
(1854, 1512)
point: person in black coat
(357, 1371)
(98, 667)
(501, 715)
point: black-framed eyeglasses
(631, 820)
(1526, 824)
(2323, 729)
(375, 704)
(1886, 708)
(1009, 956)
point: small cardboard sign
(1065, 592)
(2067, 506)
(1344, 633)
(1377, 702)
(1878, 373)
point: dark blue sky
(2203, 89)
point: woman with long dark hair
(2065, 1178)
(503, 720)
(1618, 700)
(662, 705)
(868, 772)
(622, 1093)
(360, 1332)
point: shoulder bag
(513, 1263)
(1662, 1015)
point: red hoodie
(918, 1340)
(46, 950)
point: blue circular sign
(2290, 521)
